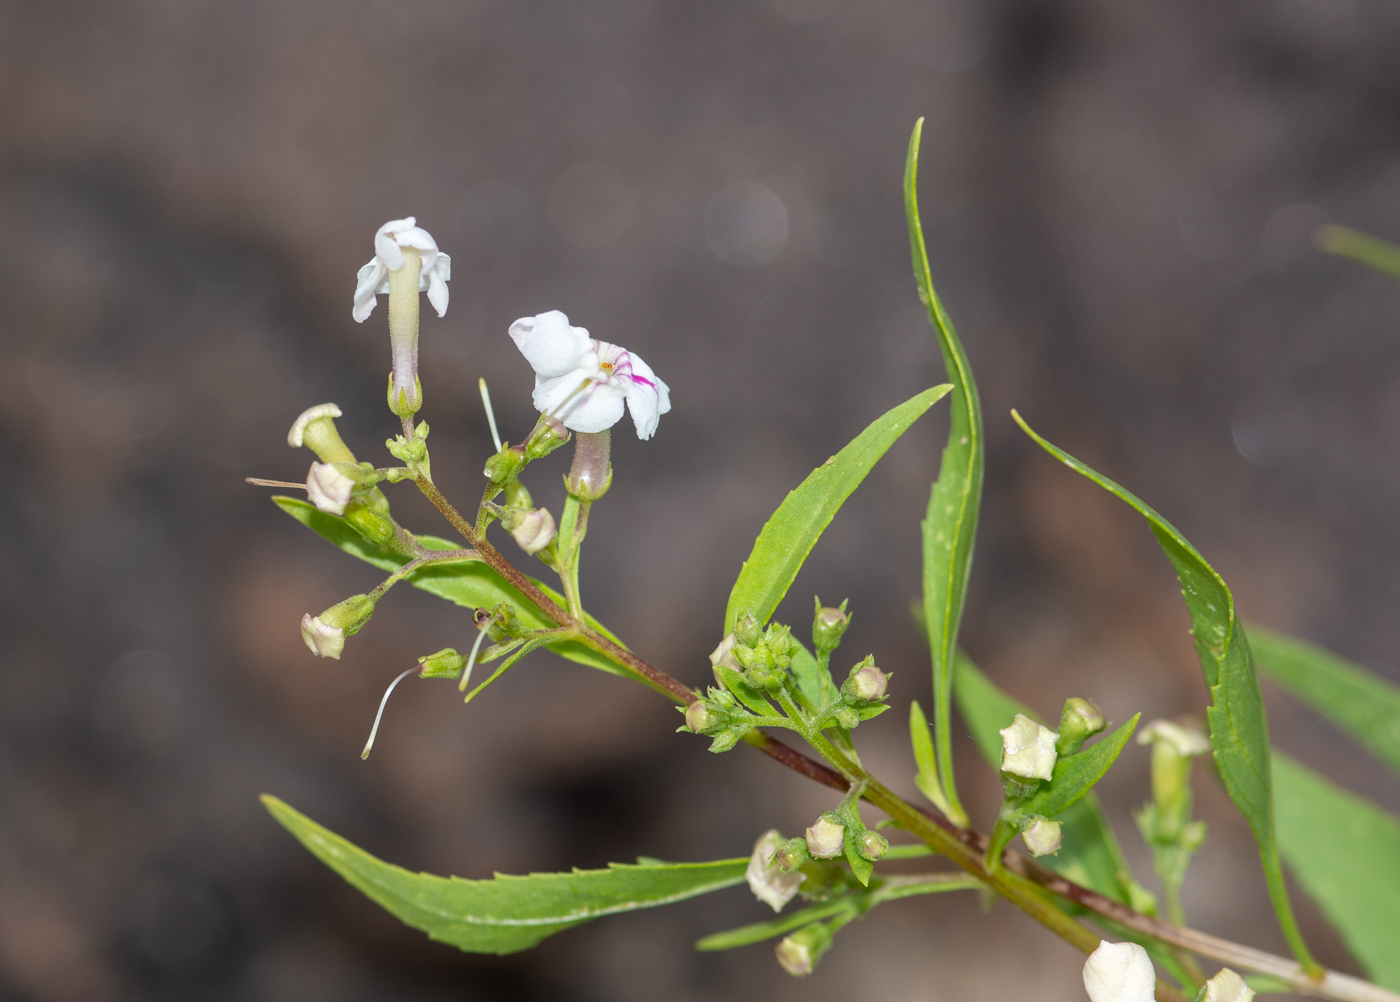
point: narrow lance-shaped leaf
(1238, 727)
(1091, 854)
(506, 914)
(1359, 702)
(1345, 851)
(787, 538)
(1379, 254)
(950, 524)
(472, 584)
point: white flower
(324, 641)
(584, 382)
(294, 437)
(1043, 837)
(1027, 749)
(328, 489)
(826, 839)
(769, 884)
(1185, 741)
(373, 279)
(1119, 972)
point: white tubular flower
(324, 641)
(769, 884)
(1185, 741)
(1027, 749)
(1119, 972)
(328, 489)
(295, 436)
(584, 382)
(373, 279)
(1227, 986)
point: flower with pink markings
(584, 382)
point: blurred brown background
(1118, 200)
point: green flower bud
(698, 717)
(800, 952)
(1042, 836)
(829, 626)
(747, 630)
(826, 838)
(866, 683)
(369, 522)
(446, 663)
(505, 466)
(548, 434)
(873, 845)
(847, 718)
(791, 855)
(1079, 721)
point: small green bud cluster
(410, 451)
(718, 716)
(765, 656)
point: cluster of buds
(836, 834)
(718, 716)
(764, 655)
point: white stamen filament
(490, 414)
(383, 703)
(259, 482)
(471, 661)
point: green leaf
(950, 524)
(747, 935)
(1239, 730)
(506, 914)
(813, 681)
(1345, 851)
(787, 538)
(1379, 254)
(745, 693)
(1364, 705)
(921, 739)
(1076, 774)
(471, 584)
(1091, 855)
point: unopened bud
(315, 429)
(548, 434)
(723, 657)
(1227, 986)
(328, 488)
(1119, 972)
(1027, 749)
(847, 718)
(1042, 836)
(828, 626)
(446, 663)
(791, 854)
(590, 476)
(747, 629)
(534, 530)
(369, 522)
(768, 882)
(698, 717)
(1186, 742)
(1079, 721)
(505, 465)
(873, 845)
(867, 683)
(826, 839)
(800, 952)
(325, 634)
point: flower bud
(1186, 742)
(1042, 836)
(1173, 749)
(791, 854)
(370, 523)
(323, 641)
(446, 663)
(698, 717)
(747, 629)
(1227, 986)
(1027, 749)
(1079, 721)
(826, 839)
(590, 476)
(723, 657)
(534, 530)
(847, 718)
(873, 845)
(1119, 972)
(770, 884)
(505, 466)
(328, 488)
(828, 626)
(315, 429)
(549, 434)
(325, 634)
(800, 952)
(866, 683)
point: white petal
(549, 344)
(647, 399)
(294, 437)
(328, 489)
(386, 244)
(591, 409)
(1027, 749)
(437, 288)
(323, 641)
(1119, 972)
(769, 884)
(372, 280)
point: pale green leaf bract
(508, 913)
(1091, 854)
(1238, 727)
(1345, 851)
(787, 538)
(1359, 702)
(472, 584)
(1076, 774)
(950, 523)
